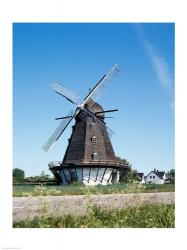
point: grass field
(146, 216)
(121, 188)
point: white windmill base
(86, 175)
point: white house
(155, 177)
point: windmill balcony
(88, 173)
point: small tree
(170, 175)
(130, 176)
(18, 175)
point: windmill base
(87, 175)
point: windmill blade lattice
(59, 130)
(97, 90)
(61, 90)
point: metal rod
(106, 111)
(64, 117)
(94, 116)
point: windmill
(89, 157)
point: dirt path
(29, 207)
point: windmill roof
(96, 107)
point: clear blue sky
(78, 55)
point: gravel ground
(29, 207)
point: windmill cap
(96, 108)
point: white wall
(154, 180)
(93, 174)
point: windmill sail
(95, 93)
(59, 130)
(61, 90)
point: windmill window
(94, 140)
(92, 125)
(95, 156)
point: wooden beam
(82, 173)
(97, 174)
(69, 173)
(110, 175)
(103, 174)
(65, 176)
(89, 175)
(76, 174)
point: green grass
(146, 216)
(76, 189)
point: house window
(95, 156)
(153, 177)
(94, 140)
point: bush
(18, 175)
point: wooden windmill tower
(89, 157)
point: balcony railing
(91, 163)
